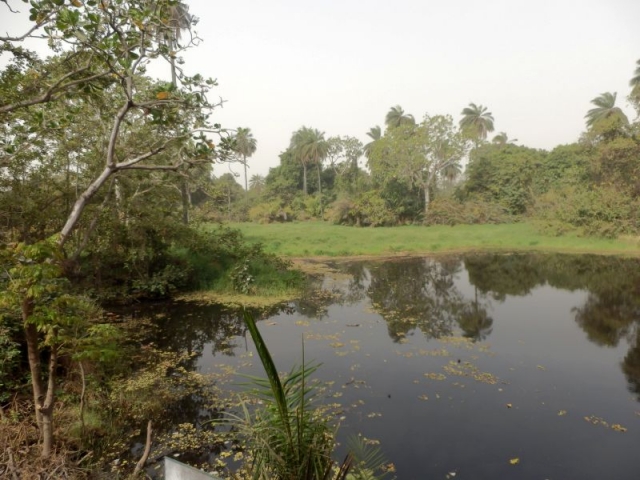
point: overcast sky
(339, 66)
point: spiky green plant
(287, 438)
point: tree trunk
(246, 183)
(43, 401)
(427, 189)
(172, 62)
(304, 178)
(47, 407)
(320, 190)
(33, 354)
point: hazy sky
(339, 66)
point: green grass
(310, 239)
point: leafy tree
(503, 174)
(130, 125)
(245, 145)
(343, 154)
(605, 108)
(417, 155)
(477, 122)
(396, 117)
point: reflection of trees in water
(188, 327)
(631, 365)
(611, 311)
(415, 294)
(474, 320)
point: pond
(474, 367)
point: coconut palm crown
(396, 117)
(245, 145)
(477, 121)
(605, 107)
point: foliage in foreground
(287, 438)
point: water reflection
(560, 333)
(611, 311)
(425, 295)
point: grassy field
(309, 239)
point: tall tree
(100, 51)
(179, 20)
(476, 122)
(310, 147)
(374, 133)
(417, 155)
(245, 145)
(635, 82)
(605, 108)
(396, 117)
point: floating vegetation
(592, 419)
(466, 369)
(435, 376)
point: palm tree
(635, 81)
(452, 171)
(605, 107)
(257, 182)
(309, 146)
(502, 139)
(179, 19)
(477, 122)
(245, 145)
(396, 117)
(375, 134)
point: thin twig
(147, 450)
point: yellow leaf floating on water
(540, 367)
(302, 323)
(423, 397)
(337, 344)
(514, 461)
(618, 428)
(509, 405)
(435, 376)
(562, 413)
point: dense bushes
(368, 209)
(450, 211)
(602, 211)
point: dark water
(459, 366)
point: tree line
(413, 173)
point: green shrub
(269, 212)
(10, 380)
(603, 211)
(368, 209)
(450, 211)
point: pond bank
(321, 240)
